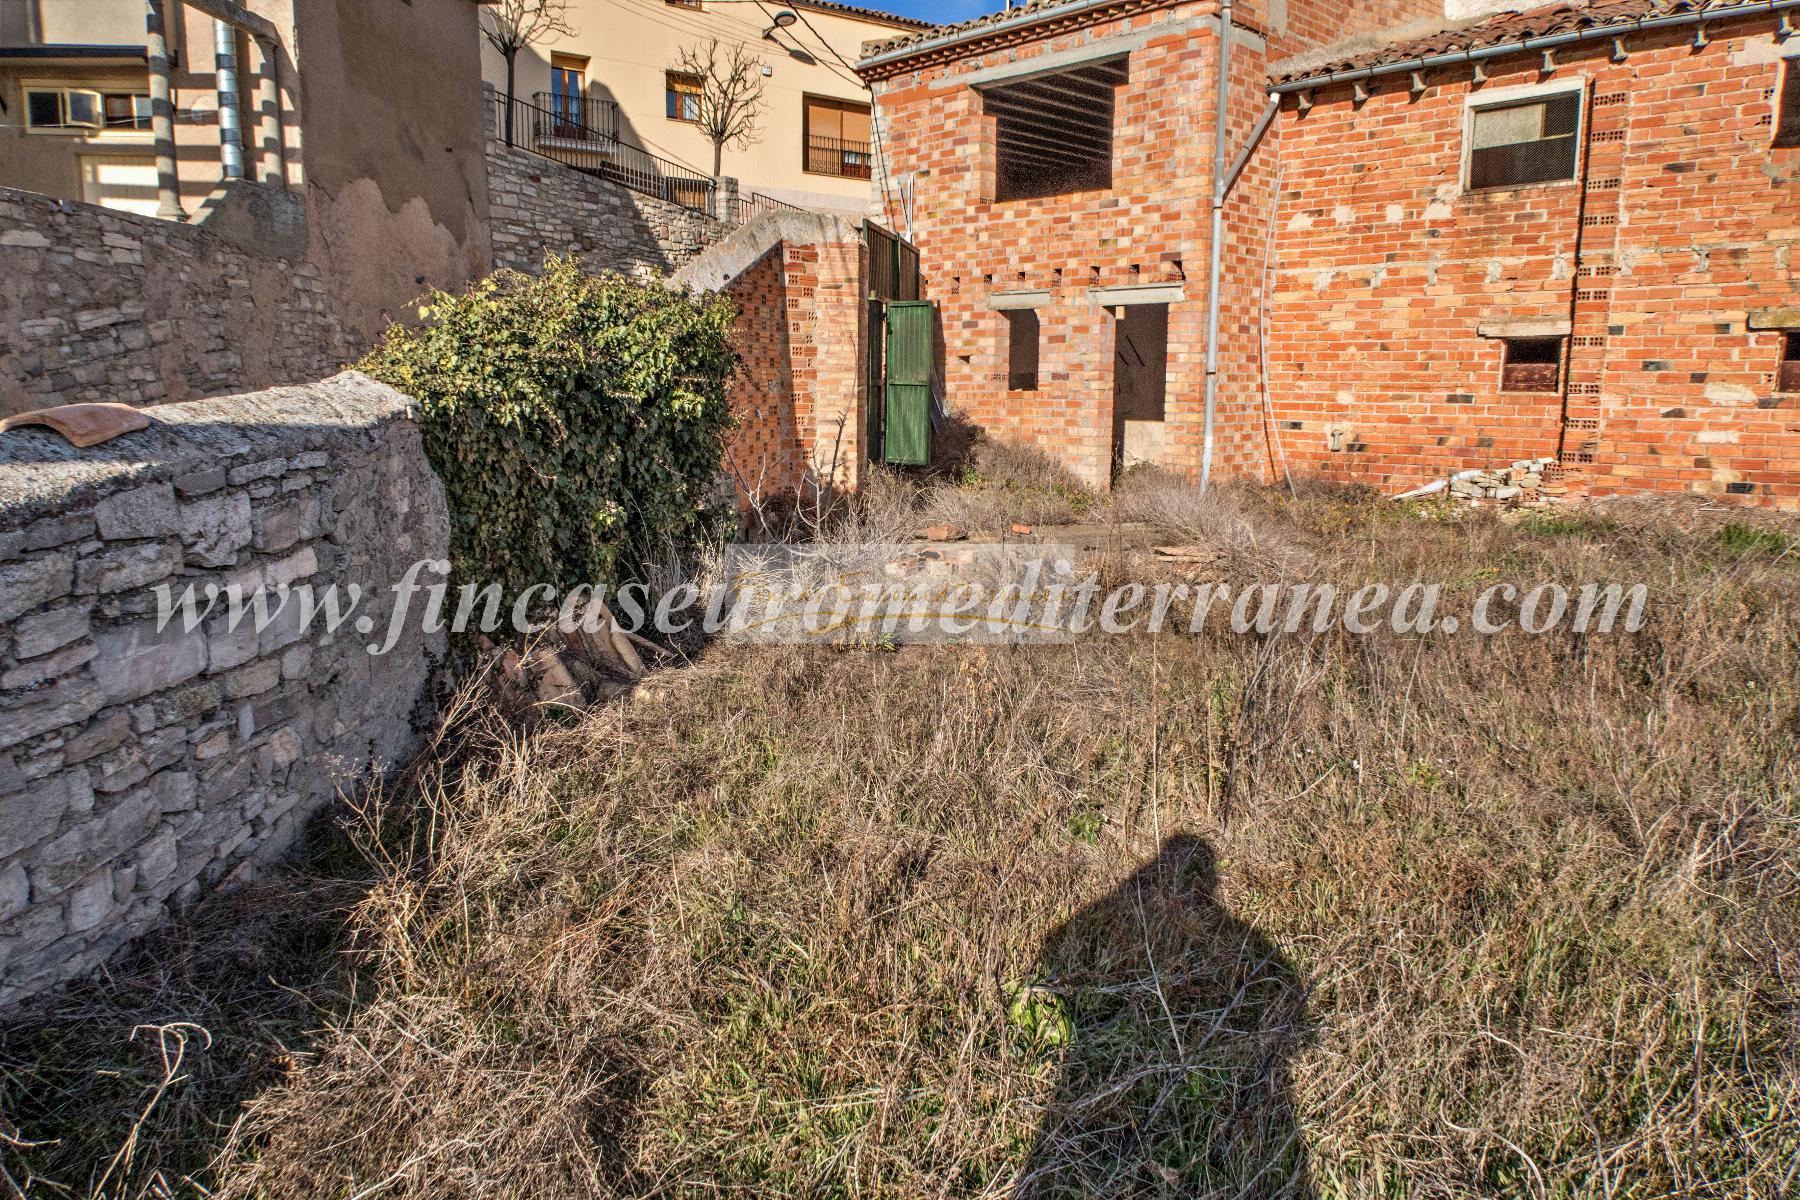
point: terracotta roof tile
(872, 14)
(872, 49)
(1409, 42)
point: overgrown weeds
(1207, 916)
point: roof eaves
(866, 14)
(879, 54)
(1544, 28)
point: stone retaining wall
(139, 766)
(538, 206)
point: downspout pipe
(1226, 180)
(1215, 268)
(1552, 41)
(231, 135)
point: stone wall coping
(41, 473)
(719, 264)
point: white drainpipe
(1221, 140)
(231, 137)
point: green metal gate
(911, 344)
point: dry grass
(1215, 917)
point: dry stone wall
(106, 305)
(140, 766)
(537, 206)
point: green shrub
(576, 421)
(1738, 538)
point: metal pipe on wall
(1221, 140)
(225, 73)
(162, 113)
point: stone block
(156, 858)
(145, 512)
(15, 890)
(127, 568)
(176, 792)
(27, 584)
(42, 632)
(253, 680)
(216, 528)
(200, 483)
(39, 712)
(103, 735)
(138, 659)
(50, 532)
(89, 902)
(28, 817)
(52, 666)
(227, 647)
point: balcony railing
(577, 118)
(746, 208)
(835, 156)
(556, 134)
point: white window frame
(90, 132)
(1508, 97)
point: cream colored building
(618, 74)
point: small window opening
(1514, 145)
(1054, 133)
(1022, 332)
(1787, 119)
(682, 96)
(1789, 379)
(1532, 365)
(1140, 384)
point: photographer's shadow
(1178, 1022)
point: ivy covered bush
(577, 421)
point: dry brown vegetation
(1200, 917)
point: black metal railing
(835, 156)
(746, 208)
(554, 135)
(577, 118)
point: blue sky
(943, 11)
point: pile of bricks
(1529, 481)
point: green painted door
(911, 337)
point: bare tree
(511, 25)
(731, 98)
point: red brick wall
(799, 396)
(1150, 227)
(1686, 223)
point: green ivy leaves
(577, 421)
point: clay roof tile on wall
(1409, 43)
(1036, 7)
(871, 14)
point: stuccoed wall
(139, 768)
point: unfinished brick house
(1449, 242)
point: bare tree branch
(511, 25)
(731, 101)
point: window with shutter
(836, 137)
(1525, 142)
(1532, 365)
(1789, 378)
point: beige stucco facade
(625, 49)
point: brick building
(1456, 242)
